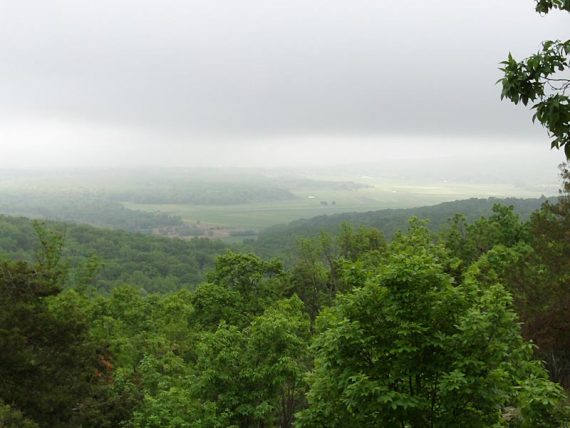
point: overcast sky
(263, 82)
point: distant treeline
(313, 184)
(86, 208)
(203, 193)
(281, 239)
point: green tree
(151, 347)
(310, 278)
(52, 368)
(318, 274)
(48, 363)
(214, 304)
(11, 418)
(254, 377)
(355, 243)
(542, 79)
(246, 273)
(409, 348)
(537, 273)
(468, 242)
(240, 287)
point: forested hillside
(158, 264)
(85, 208)
(281, 239)
(429, 329)
(115, 257)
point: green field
(257, 216)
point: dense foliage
(533, 261)
(409, 348)
(423, 330)
(154, 264)
(542, 79)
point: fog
(254, 83)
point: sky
(264, 82)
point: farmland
(235, 219)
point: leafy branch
(542, 79)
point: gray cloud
(202, 72)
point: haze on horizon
(286, 83)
